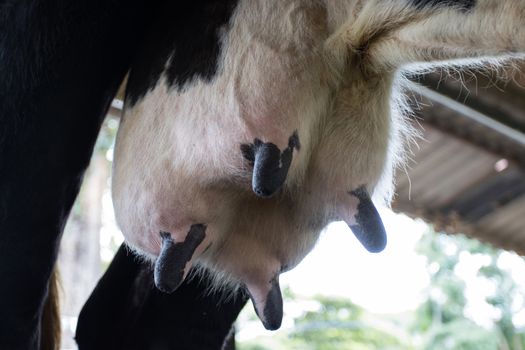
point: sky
(391, 282)
(386, 282)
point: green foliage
(339, 324)
(438, 324)
(504, 300)
(336, 324)
(440, 320)
(460, 334)
(107, 134)
(252, 346)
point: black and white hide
(250, 125)
(61, 63)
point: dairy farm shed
(468, 174)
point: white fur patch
(330, 70)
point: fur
(60, 67)
(330, 70)
(51, 327)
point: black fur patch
(169, 267)
(61, 63)
(461, 4)
(270, 165)
(125, 312)
(369, 229)
(188, 35)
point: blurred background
(450, 277)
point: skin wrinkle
(337, 83)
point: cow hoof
(270, 165)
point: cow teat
(170, 266)
(268, 303)
(270, 165)
(360, 214)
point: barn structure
(468, 174)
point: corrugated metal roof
(468, 176)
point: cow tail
(51, 330)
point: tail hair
(50, 326)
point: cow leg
(126, 312)
(61, 63)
